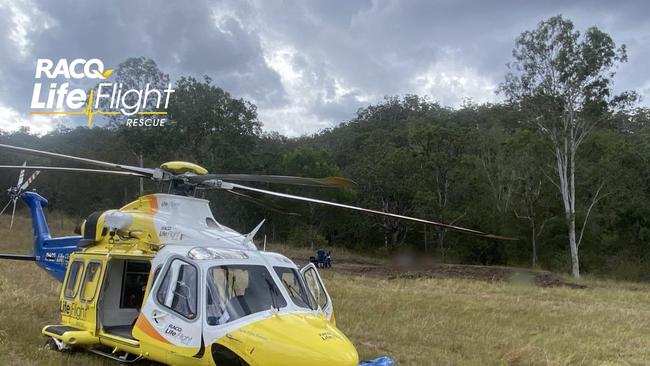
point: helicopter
(161, 279)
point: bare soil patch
(440, 270)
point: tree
(212, 127)
(561, 81)
(384, 173)
(438, 153)
(309, 162)
(525, 153)
(383, 163)
(137, 73)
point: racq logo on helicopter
(57, 98)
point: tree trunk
(575, 261)
(311, 227)
(273, 233)
(426, 244)
(565, 156)
(309, 235)
(394, 239)
(311, 241)
(533, 240)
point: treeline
(475, 166)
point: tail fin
(49, 253)
(36, 202)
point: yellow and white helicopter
(161, 279)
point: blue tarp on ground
(382, 361)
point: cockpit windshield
(235, 291)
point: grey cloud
(346, 54)
(182, 39)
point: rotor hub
(181, 167)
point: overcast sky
(307, 65)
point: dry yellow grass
(416, 321)
(461, 322)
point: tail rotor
(17, 191)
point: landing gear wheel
(50, 345)
(53, 344)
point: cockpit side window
(315, 287)
(294, 285)
(178, 290)
(235, 291)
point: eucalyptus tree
(562, 82)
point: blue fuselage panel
(54, 253)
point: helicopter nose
(292, 340)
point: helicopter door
(315, 285)
(170, 315)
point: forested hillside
(474, 166)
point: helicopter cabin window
(315, 287)
(178, 290)
(155, 275)
(134, 283)
(74, 277)
(235, 291)
(91, 279)
(295, 286)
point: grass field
(416, 321)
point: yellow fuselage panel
(139, 237)
(78, 301)
(292, 340)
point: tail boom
(51, 254)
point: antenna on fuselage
(251, 235)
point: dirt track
(439, 270)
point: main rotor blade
(261, 203)
(73, 170)
(145, 171)
(280, 179)
(328, 203)
(18, 257)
